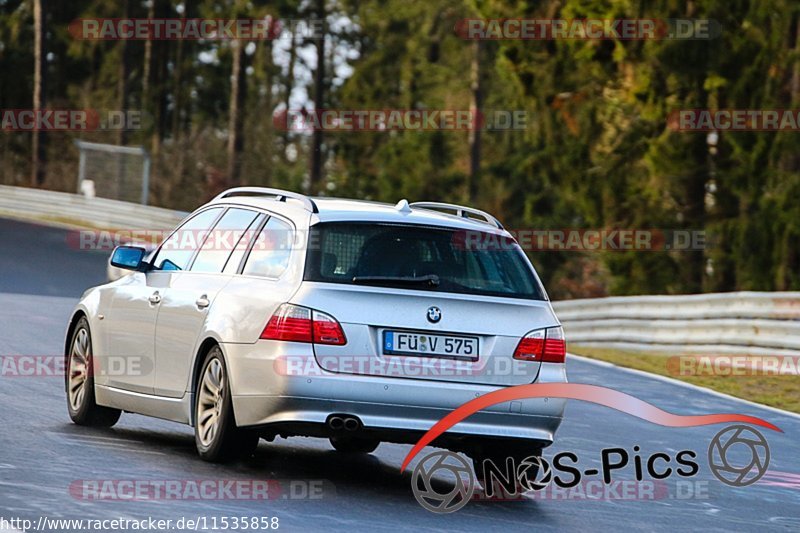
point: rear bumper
(397, 409)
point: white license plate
(408, 343)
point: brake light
(289, 323)
(544, 345)
(300, 324)
(531, 346)
(327, 330)
(555, 346)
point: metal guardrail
(737, 322)
(757, 323)
(75, 209)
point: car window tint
(270, 254)
(392, 255)
(222, 239)
(235, 259)
(178, 249)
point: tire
(518, 454)
(79, 382)
(350, 444)
(216, 436)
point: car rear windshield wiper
(431, 280)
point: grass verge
(782, 392)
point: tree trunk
(148, 58)
(236, 119)
(155, 97)
(177, 92)
(315, 167)
(287, 96)
(475, 109)
(122, 78)
(38, 148)
(694, 263)
(269, 75)
(795, 87)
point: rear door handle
(202, 302)
(155, 298)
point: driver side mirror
(128, 257)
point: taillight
(555, 346)
(544, 345)
(300, 324)
(531, 346)
(327, 330)
(289, 323)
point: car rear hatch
(465, 327)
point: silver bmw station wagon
(267, 313)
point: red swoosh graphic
(587, 393)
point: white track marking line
(684, 384)
(80, 441)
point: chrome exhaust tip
(336, 423)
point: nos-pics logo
(455, 482)
(444, 482)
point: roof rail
(461, 211)
(279, 194)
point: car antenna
(403, 206)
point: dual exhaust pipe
(344, 423)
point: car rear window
(416, 257)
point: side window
(178, 249)
(222, 240)
(235, 259)
(269, 256)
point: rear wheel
(79, 382)
(350, 444)
(215, 433)
(525, 464)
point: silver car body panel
(167, 340)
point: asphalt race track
(42, 454)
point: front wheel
(215, 433)
(79, 382)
